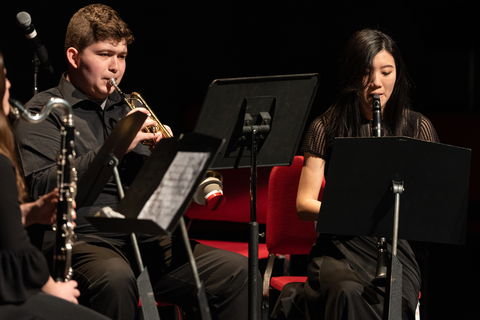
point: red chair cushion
(238, 247)
(279, 282)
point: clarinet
(382, 254)
(66, 183)
(377, 128)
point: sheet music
(174, 187)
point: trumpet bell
(210, 191)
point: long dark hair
(7, 145)
(344, 117)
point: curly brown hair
(96, 22)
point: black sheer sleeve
(24, 269)
(315, 141)
(427, 131)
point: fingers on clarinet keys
(210, 191)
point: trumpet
(210, 192)
(131, 103)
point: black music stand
(158, 198)
(366, 178)
(262, 120)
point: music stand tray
(286, 99)
(163, 189)
(358, 201)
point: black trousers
(44, 306)
(334, 291)
(107, 273)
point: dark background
(181, 48)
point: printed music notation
(175, 186)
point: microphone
(377, 117)
(25, 22)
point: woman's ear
(73, 57)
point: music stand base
(393, 292)
(253, 285)
(147, 298)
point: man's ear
(73, 57)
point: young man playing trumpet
(96, 48)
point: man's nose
(113, 67)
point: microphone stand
(36, 67)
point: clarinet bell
(382, 263)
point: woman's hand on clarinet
(43, 210)
(64, 290)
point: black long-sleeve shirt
(39, 144)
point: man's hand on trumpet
(141, 136)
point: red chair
(236, 188)
(286, 234)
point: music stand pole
(201, 296)
(392, 309)
(149, 308)
(253, 297)
(253, 285)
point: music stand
(160, 194)
(262, 120)
(365, 179)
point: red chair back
(286, 233)
(236, 188)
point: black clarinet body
(66, 182)
(377, 128)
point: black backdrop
(181, 47)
